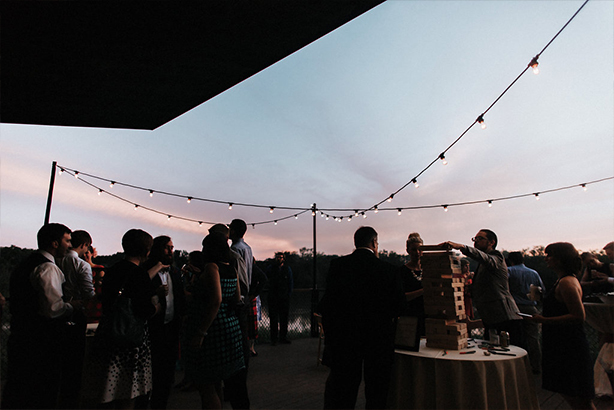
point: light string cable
(79, 176)
(357, 213)
(480, 119)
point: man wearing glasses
(490, 290)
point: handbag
(122, 328)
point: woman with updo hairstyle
(566, 362)
(214, 344)
(411, 277)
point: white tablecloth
(428, 379)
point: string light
(364, 215)
(295, 216)
(136, 207)
(275, 222)
(390, 198)
(200, 223)
(355, 212)
(350, 218)
(112, 184)
(99, 192)
(271, 209)
(480, 121)
(445, 208)
(442, 157)
(415, 182)
(168, 218)
(536, 196)
(584, 187)
(490, 204)
(398, 211)
(375, 209)
(189, 199)
(313, 213)
(230, 206)
(61, 170)
(77, 174)
(327, 217)
(534, 65)
(151, 193)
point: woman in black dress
(566, 362)
(411, 277)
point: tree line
(300, 262)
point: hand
(196, 341)
(535, 318)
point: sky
(348, 120)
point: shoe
(285, 341)
(253, 353)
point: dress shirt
(521, 278)
(169, 313)
(245, 251)
(79, 283)
(47, 279)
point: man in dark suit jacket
(164, 328)
(363, 297)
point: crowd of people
(209, 310)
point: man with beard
(490, 290)
(164, 328)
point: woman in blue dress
(215, 350)
(567, 367)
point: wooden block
(446, 344)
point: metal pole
(50, 194)
(314, 292)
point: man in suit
(164, 327)
(490, 289)
(363, 297)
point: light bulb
(230, 206)
(355, 212)
(200, 223)
(443, 159)
(399, 211)
(445, 208)
(415, 182)
(534, 65)
(364, 215)
(112, 184)
(99, 192)
(77, 174)
(376, 210)
(136, 207)
(390, 198)
(490, 204)
(327, 217)
(350, 218)
(189, 199)
(480, 120)
(151, 193)
(584, 187)
(275, 222)
(536, 196)
(271, 210)
(61, 171)
(169, 218)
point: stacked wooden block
(444, 301)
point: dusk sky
(348, 120)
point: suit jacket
(363, 297)
(178, 299)
(490, 289)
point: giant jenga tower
(444, 301)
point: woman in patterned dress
(122, 373)
(215, 350)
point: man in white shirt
(79, 285)
(39, 317)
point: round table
(439, 379)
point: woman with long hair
(214, 344)
(566, 362)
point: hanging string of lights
(355, 212)
(326, 213)
(480, 119)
